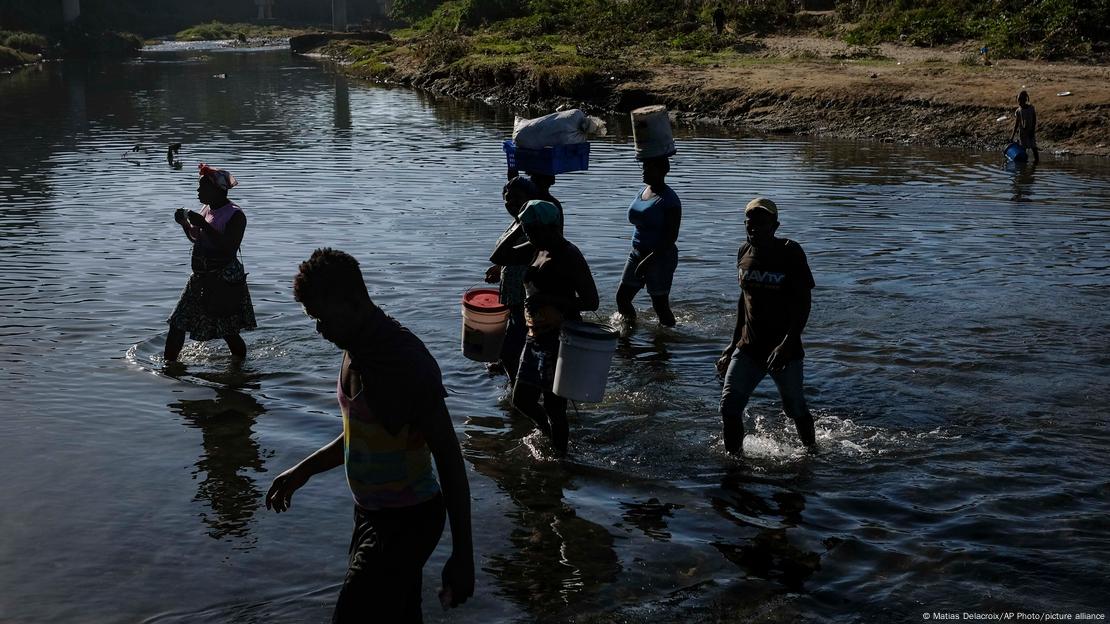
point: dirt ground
(945, 96)
(824, 87)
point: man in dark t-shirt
(771, 313)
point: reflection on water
(556, 559)
(650, 517)
(1023, 180)
(763, 548)
(229, 456)
(956, 364)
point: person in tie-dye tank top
(391, 396)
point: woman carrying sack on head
(216, 302)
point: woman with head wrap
(215, 302)
(516, 193)
(559, 287)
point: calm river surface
(958, 360)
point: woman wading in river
(215, 302)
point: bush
(763, 17)
(1010, 28)
(24, 42)
(412, 10)
(441, 51)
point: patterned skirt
(215, 304)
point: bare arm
(587, 299)
(439, 433)
(791, 344)
(738, 330)
(280, 495)
(513, 248)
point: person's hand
(458, 581)
(781, 356)
(179, 216)
(722, 364)
(280, 496)
(493, 274)
(195, 218)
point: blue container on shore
(1016, 153)
(552, 160)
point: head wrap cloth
(539, 212)
(221, 178)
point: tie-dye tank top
(383, 470)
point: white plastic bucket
(651, 131)
(585, 353)
(484, 320)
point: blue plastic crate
(552, 160)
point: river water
(957, 364)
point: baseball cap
(764, 204)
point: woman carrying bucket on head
(516, 194)
(657, 214)
(559, 288)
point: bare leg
(662, 305)
(237, 346)
(175, 340)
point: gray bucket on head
(651, 131)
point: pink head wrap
(220, 177)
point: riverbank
(806, 85)
(23, 49)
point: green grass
(30, 43)
(1044, 29)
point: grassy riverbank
(18, 49)
(891, 75)
(219, 31)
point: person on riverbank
(559, 288)
(1025, 125)
(656, 213)
(719, 19)
(395, 421)
(771, 314)
(215, 302)
(517, 192)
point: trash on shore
(219, 75)
(1003, 118)
(1063, 94)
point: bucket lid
(595, 331)
(483, 300)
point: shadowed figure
(229, 457)
(555, 562)
(762, 551)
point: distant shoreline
(786, 85)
